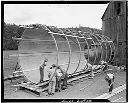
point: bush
(11, 30)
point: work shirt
(52, 74)
(89, 66)
(110, 75)
(102, 62)
(59, 73)
(42, 66)
(64, 71)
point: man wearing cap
(52, 79)
(110, 79)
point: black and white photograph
(64, 51)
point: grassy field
(93, 88)
(9, 62)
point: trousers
(51, 89)
(65, 80)
(111, 88)
(110, 83)
(58, 84)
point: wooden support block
(41, 90)
(41, 84)
(38, 88)
(33, 88)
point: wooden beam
(11, 77)
(14, 38)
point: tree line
(13, 30)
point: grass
(9, 62)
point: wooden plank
(10, 77)
(33, 88)
(41, 90)
(21, 84)
(17, 72)
(29, 87)
(41, 84)
(115, 91)
(38, 89)
(76, 78)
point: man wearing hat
(58, 79)
(42, 70)
(110, 79)
(52, 79)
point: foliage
(13, 30)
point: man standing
(105, 65)
(52, 79)
(64, 77)
(110, 79)
(58, 78)
(42, 70)
(90, 68)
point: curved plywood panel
(72, 53)
(33, 50)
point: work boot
(64, 87)
(59, 90)
(48, 94)
(52, 94)
(110, 92)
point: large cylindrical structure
(71, 50)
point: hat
(46, 60)
(53, 65)
(110, 70)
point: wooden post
(118, 29)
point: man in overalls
(52, 79)
(63, 78)
(42, 70)
(58, 78)
(110, 79)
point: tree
(11, 30)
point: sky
(60, 15)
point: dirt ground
(80, 89)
